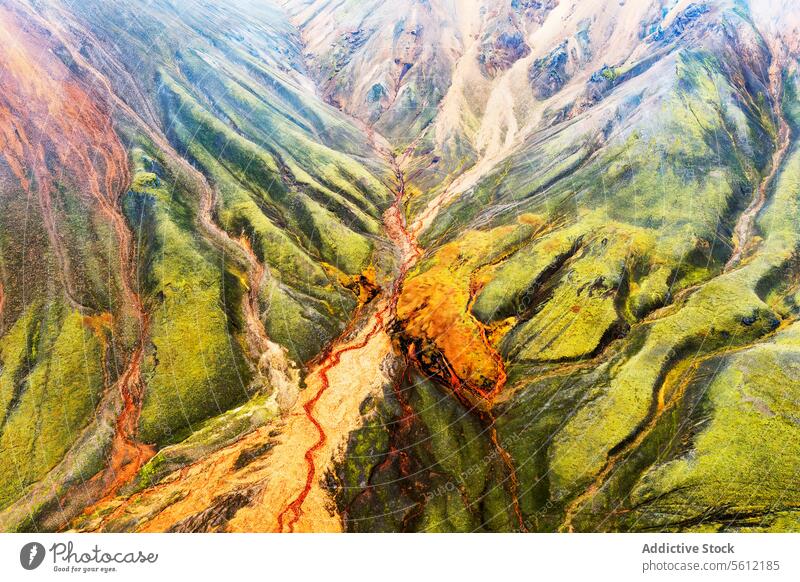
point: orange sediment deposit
(363, 284)
(394, 222)
(436, 311)
(99, 323)
(127, 454)
(436, 308)
(295, 507)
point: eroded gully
(376, 329)
(406, 248)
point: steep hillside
(428, 265)
(205, 235)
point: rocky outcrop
(548, 74)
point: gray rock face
(549, 74)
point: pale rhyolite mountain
(324, 265)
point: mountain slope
(428, 266)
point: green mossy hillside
(435, 471)
(53, 371)
(195, 366)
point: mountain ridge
(531, 282)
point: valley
(303, 266)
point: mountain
(427, 265)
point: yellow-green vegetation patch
(18, 351)
(195, 368)
(653, 289)
(723, 313)
(749, 448)
(367, 447)
(436, 471)
(749, 440)
(55, 396)
(512, 281)
(208, 436)
(302, 133)
(266, 196)
(469, 491)
(581, 307)
(262, 169)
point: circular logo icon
(31, 555)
